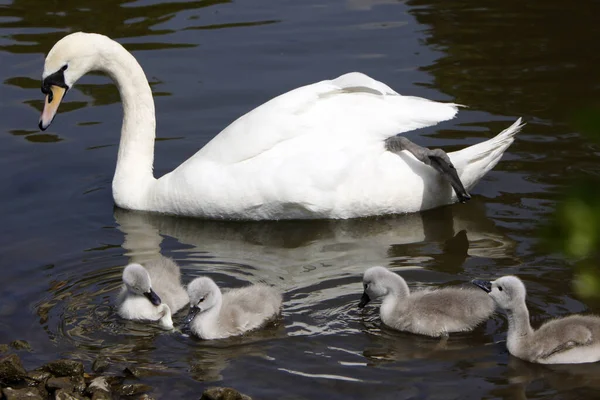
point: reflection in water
(124, 20)
(509, 58)
(28, 27)
(318, 264)
(528, 380)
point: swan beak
(364, 300)
(191, 315)
(153, 297)
(53, 99)
(486, 286)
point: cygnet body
(570, 340)
(216, 315)
(430, 312)
(152, 292)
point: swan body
(152, 293)
(214, 315)
(317, 151)
(425, 312)
(573, 339)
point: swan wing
(351, 110)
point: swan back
(214, 315)
(436, 312)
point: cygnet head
(379, 282)
(69, 59)
(137, 281)
(204, 294)
(508, 292)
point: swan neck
(518, 323)
(133, 174)
(397, 291)
(398, 287)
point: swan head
(378, 282)
(508, 292)
(137, 281)
(69, 59)
(204, 294)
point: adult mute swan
(425, 312)
(326, 150)
(573, 339)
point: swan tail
(475, 161)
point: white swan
(152, 293)
(325, 150)
(574, 339)
(214, 315)
(425, 312)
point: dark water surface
(63, 245)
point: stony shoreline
(64, 379)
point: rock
(20, 345)
(41, 387)
(78, 384)
(101, 396)
(11, 369)
(99, 388)
(28, 393)
(100, 365)
(38, 376)
(131, 389)
(145, 396)
(63, 394)
(65, 368)
(132, 371)
(3, 348)
(63, 382)
(137, 372)
(223, 393)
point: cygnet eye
(201, 300)
(500, 288)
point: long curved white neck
(133, 175)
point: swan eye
(201, 300)
(500, 288)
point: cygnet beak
(364, 300)
(153, 297)
(191, 315)
(483, 285)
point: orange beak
(51, 104)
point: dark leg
(436, 158)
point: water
(63, 245)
